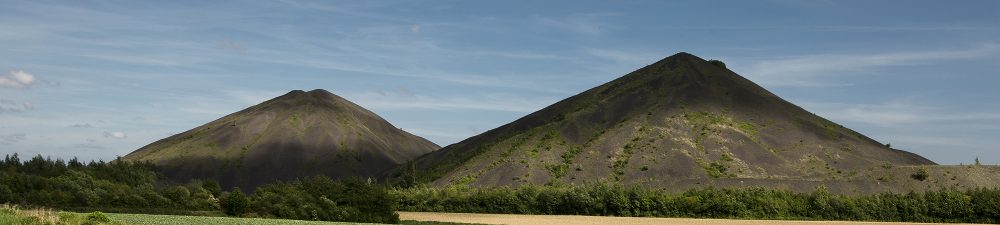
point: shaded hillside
(292, 136)
(682, 119)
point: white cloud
(804, 70)
(415, 28)
(115, 135)
(17, 79)
(7, 105)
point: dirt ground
(601, 220)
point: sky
(99, 79)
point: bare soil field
(512, 219)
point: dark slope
(294, 135)
(679, 119)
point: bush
(212, 186)
(920, 175)
(236, 203)
(6, 195)
(98, 216)
(718, 63)
(321, 198)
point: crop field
(512, 219)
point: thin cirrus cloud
(7, 105)
(896, 113)
(82, 125)
(12, 138)
(803, 70)
(584, 23)
(377, 100)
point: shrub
(718, 63)
(236, 203)
(321, 198)
(920, 175)
(212, 186)
(6, 195)
(98, 216)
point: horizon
(99, 80)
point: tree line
(117, 184)
(603, 199)
(136, 186)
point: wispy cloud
(12, 138)
(232, 46)
(803, 70)
(115, 135)
(583, 23)
(622, 56)
(249, 98)
(415, 28)
(916, 28)
(17, 79)
(502, 103)
(896, 113)
(7, 105)
(82, 125)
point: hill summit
(682, 120)
(295, 135)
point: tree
(718, 63)
(236, 203)
(977, 161)
(212, 186)
(6, 195)
(920, 175)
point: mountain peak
(678, 120)
(684, 56)
(300, 96)
(320, 91)
(295, 135)
(315, 92)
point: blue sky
(96, 79)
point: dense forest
(135, 187)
